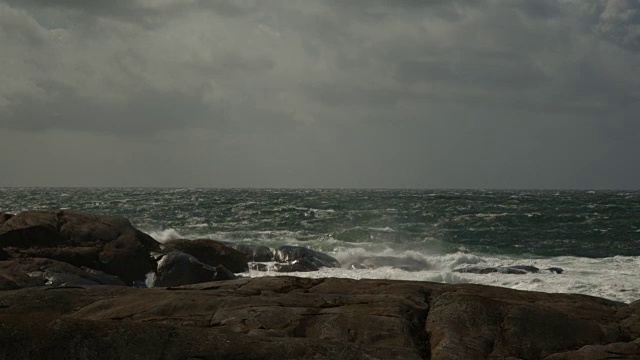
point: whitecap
(165, 235)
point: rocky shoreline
(74, 285)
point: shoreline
(72, 285)
(296, 318)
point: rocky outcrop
(514, 270)
(18, 273)
(286, 253)
(254, 252)
(302, 265)
(374, 262)
(105, 243)
(301, 318)
(177, 268)
(210, 252)
(4, 217)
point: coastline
(298, 318)
(78, 285)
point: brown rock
(287, 253)
(210, 252)
(4, 255)
(26, 272)
(302, 265)
(301, 318)
(106, 243)
(4, 217)
(254, 252)
(177, 268)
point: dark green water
(540, 223)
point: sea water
(593, 235)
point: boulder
(254, 252)
(177, 268)
(4, 255)
(258, 267)
(106, 243)
(302, 265)
(4, 217)
(288, 253)
(27, 272)
(210, 252)
(374, 262)
(515, 269)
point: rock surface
(254, 252)
(177, 268)
(210, 252)
(301, 318)
(514, 270)
(18, 273)
(106, 243)
(287, 253)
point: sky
(491, 94)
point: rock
(526, 268)
(177, 268)
(489, 270)
(374, 262)
(106, 243)
(4, 217)
(4, 255)
(210, 252)
(18, 273)
(254, 252)
(556, 270)
(303, 318)
(516, 269)
(258, 266)
(290, 253)
(302, 265)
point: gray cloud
(462, 93)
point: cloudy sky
(320, 93)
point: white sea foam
(165, 235)
(613, 278)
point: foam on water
(165, 235)
(612, 278)
(396, 234)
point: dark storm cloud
(619, 21)
(144, 111)
(440, 93)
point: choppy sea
(593, 235)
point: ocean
(410, 234)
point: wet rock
(556, 270)
(302, 265)
(527, 268)
(286, 254)
(4, 255)
(211, 253)
(177, 268)
(18, 273)
(254, 252)
(258, 266)
(489, 270)
(4, 217)
(516, 269)
(374, 262)
(106, 243)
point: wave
(165, 235)
(605, 277)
